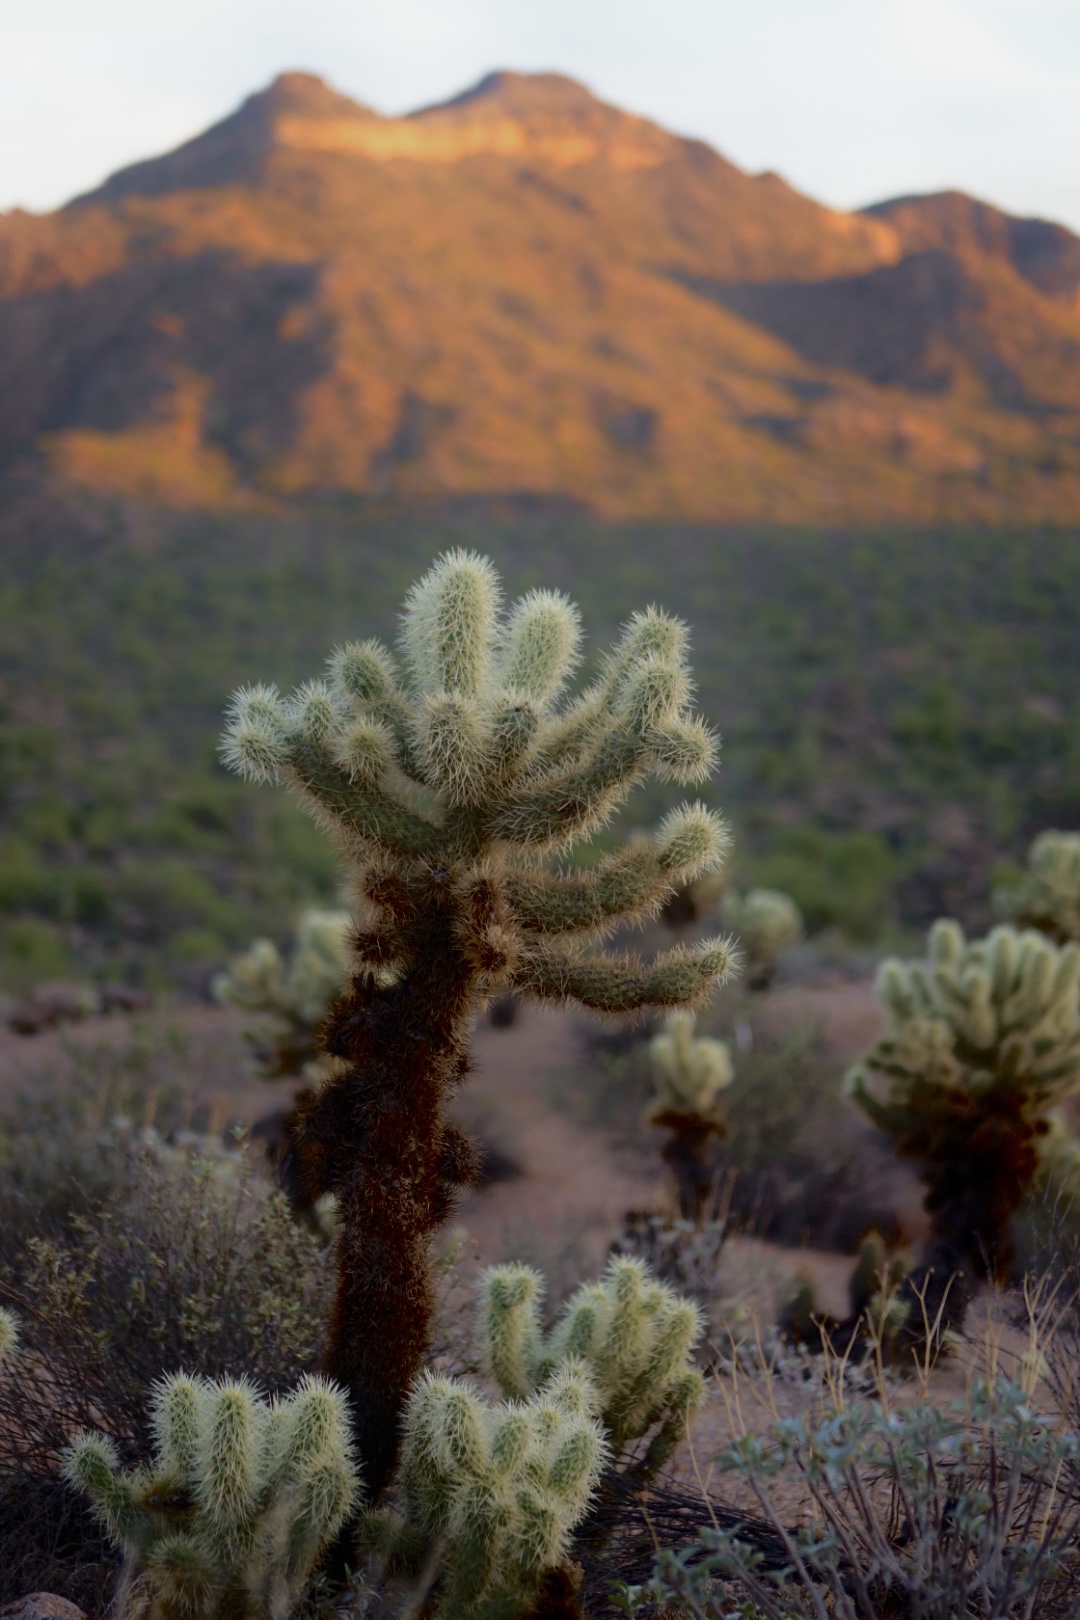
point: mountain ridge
(525, 290)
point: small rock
(41, 1606)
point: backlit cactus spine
(500, 1488)
(691, 1071)
(447, 776)
(635, 1337)
(1048, 896)
(242, 1498)
(983, 1041)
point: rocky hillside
(527, 292)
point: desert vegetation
(236, 1385)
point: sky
(852, 101)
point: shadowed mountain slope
(526, 291)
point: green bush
(844, 881)
(30, 949)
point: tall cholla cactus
(634, 1335)
(294, 993)
(242, 1498)
(499, 1488)
(767, 922)
(690, 1072)
(1048, 897)
(983, 1040)
(447, 777)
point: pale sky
(851, 100)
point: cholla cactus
(447, 776)
(9, 1334)
(293, 995)
(499, 1489)
(241, 1500)
(983, 1041)
(690, 1071)
(1048, 898)
(633, 1334)
(767, 922)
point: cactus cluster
(292, 994)
(634, 1335)
(983, 1040)
(690, 1072)
(498, 1488)
(1048, 896)
(450, 774)
(241, 1499)
(767, 923)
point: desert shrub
(800, 1166)
(31, 949)
(983, 1041)
(1048, 895)
(167, 1264)
(934, 1511)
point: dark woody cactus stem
(449, 776)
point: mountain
(527, 292)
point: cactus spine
(690, 1072)
(447, 775)
(983, 1041)
(1048, 897)
(634, 1335)
(242, 1497)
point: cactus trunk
(396, 1165)
(690, 1154)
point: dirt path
(577, 1184)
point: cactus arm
(621, 984)
(510, 1325)
(556, 813)
(623, 887)
(633, 883)
(370, 816)
(91, 1464)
